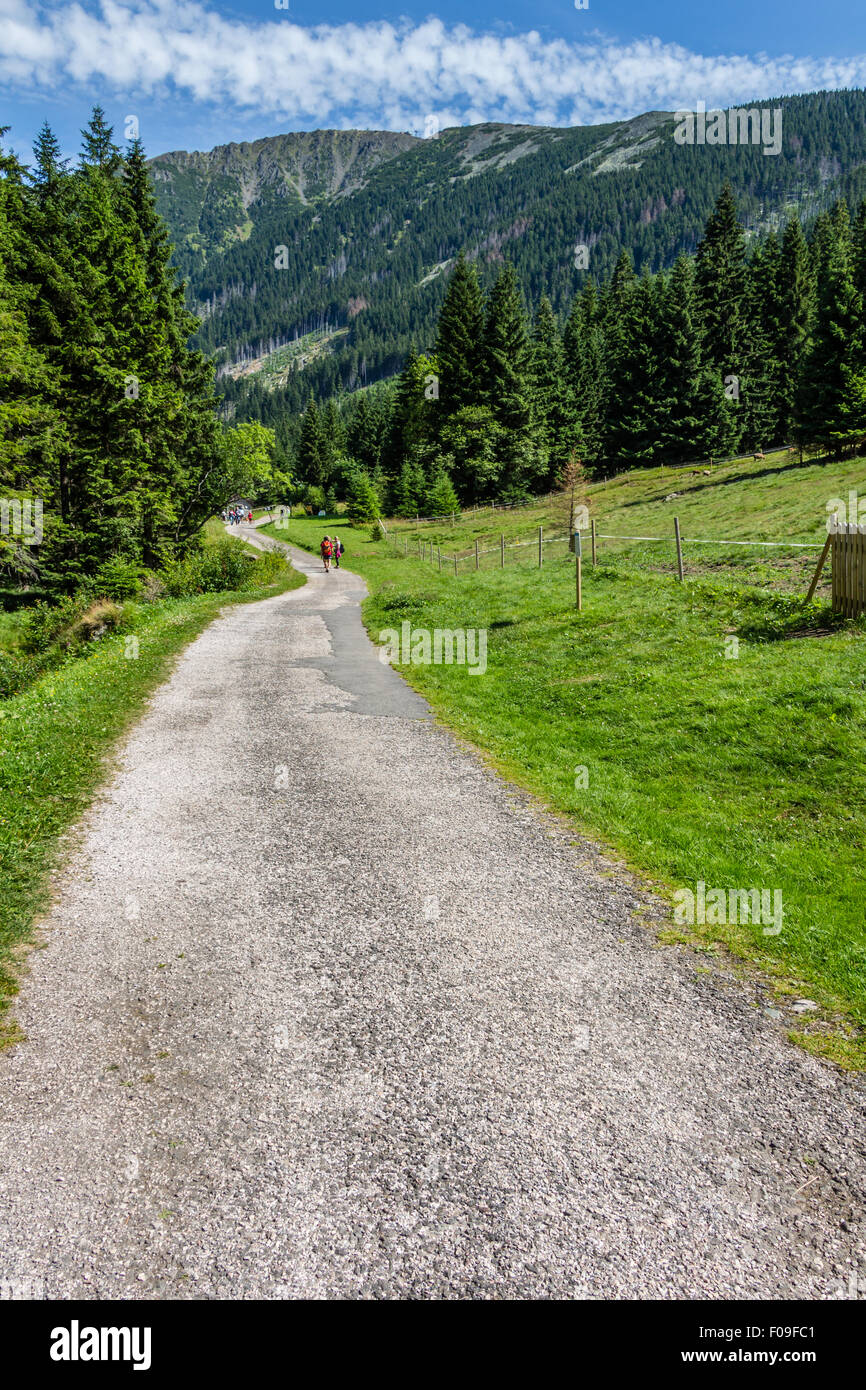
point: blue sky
(197, 73)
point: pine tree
(309, 463)
(584, 371)
(409, 492)
(631, 428)
(508, 383)
(27, 417)
(720, 284)
(459, 340)
(556, 427)
(333, 439)
(440, 498)
(98, 148)
(795, 289)
(829, 395)
(409, 427)
(693, 418)
(364, 505)
(363, 435)
(761, 386)
(49, 167)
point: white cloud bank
(376, 73)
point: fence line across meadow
(848, 592)
(429, 550)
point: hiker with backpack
(327, 551)
(338, 550)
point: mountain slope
(206, 197)
(371, 221)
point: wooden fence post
(679, 548)
(593, 541)
(579, 575)
(439, 548)
(455, 566)
(540, 543)
(817, 575)
(501, 551)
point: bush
(42, 624)
(17, 671)
(152, 587)
(118, 578)
(209, 570)
(314, 499)
(68, 623)
(267, 569)
(220, 568)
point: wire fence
(666, 553)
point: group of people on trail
(332, 548)
(235, 515)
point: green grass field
(55, 741)
(741, 771)
(776, 499)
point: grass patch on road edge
(743, 772)
(55, 738)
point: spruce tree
(584, 370)
(459, 340)
(693, 418)
(762, 405)
(98, 149)
(829, 394)
(440, 498)
(631, 428)
(720, 283)
(555, 423)
(508, 383)
(310, 464)
(363, 435)
(796, 290)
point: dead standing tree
(570, 495)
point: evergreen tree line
(730, 350)
(108, 421)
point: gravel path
(327, 1009)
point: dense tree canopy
(108, 419)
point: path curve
(327, 1009)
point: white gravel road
(327, 1009)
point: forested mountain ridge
(367, 251)
(206, 197)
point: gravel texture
(325, 1008)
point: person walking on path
(327, 551)
(338, 550)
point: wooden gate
(848, 545)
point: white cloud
(377, 73)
